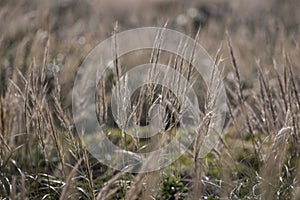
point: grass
(257, 157)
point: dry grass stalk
(105, 192)
(277, 154)
(240, 97)
(68, 190)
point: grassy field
(256, 43)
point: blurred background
(259, 29)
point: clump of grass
(42, 158)
(272, 113)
